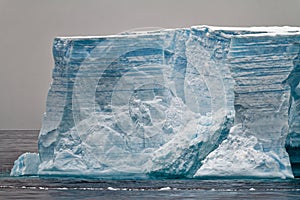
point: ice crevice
(175, 103)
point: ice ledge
(27, 164)
(248, 152)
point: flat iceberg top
(177, 103)
(268, 29)
(124, 35)
(264, 30)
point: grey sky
(27, 29)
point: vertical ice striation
(204, 101)
(260, 65)
(208, 91)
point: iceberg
(173, 103)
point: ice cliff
(198, 102)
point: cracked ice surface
(204, 101)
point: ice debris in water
(196, 102)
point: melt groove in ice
(198, 102)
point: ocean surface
(15, 142)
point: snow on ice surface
(198, 102)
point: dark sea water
(14, 143)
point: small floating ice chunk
(165, 188)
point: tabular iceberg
(198, 102)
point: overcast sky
(28, 27)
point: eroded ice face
(162, 103)
(146, 96)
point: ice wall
(261, 65)
(198, 102)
